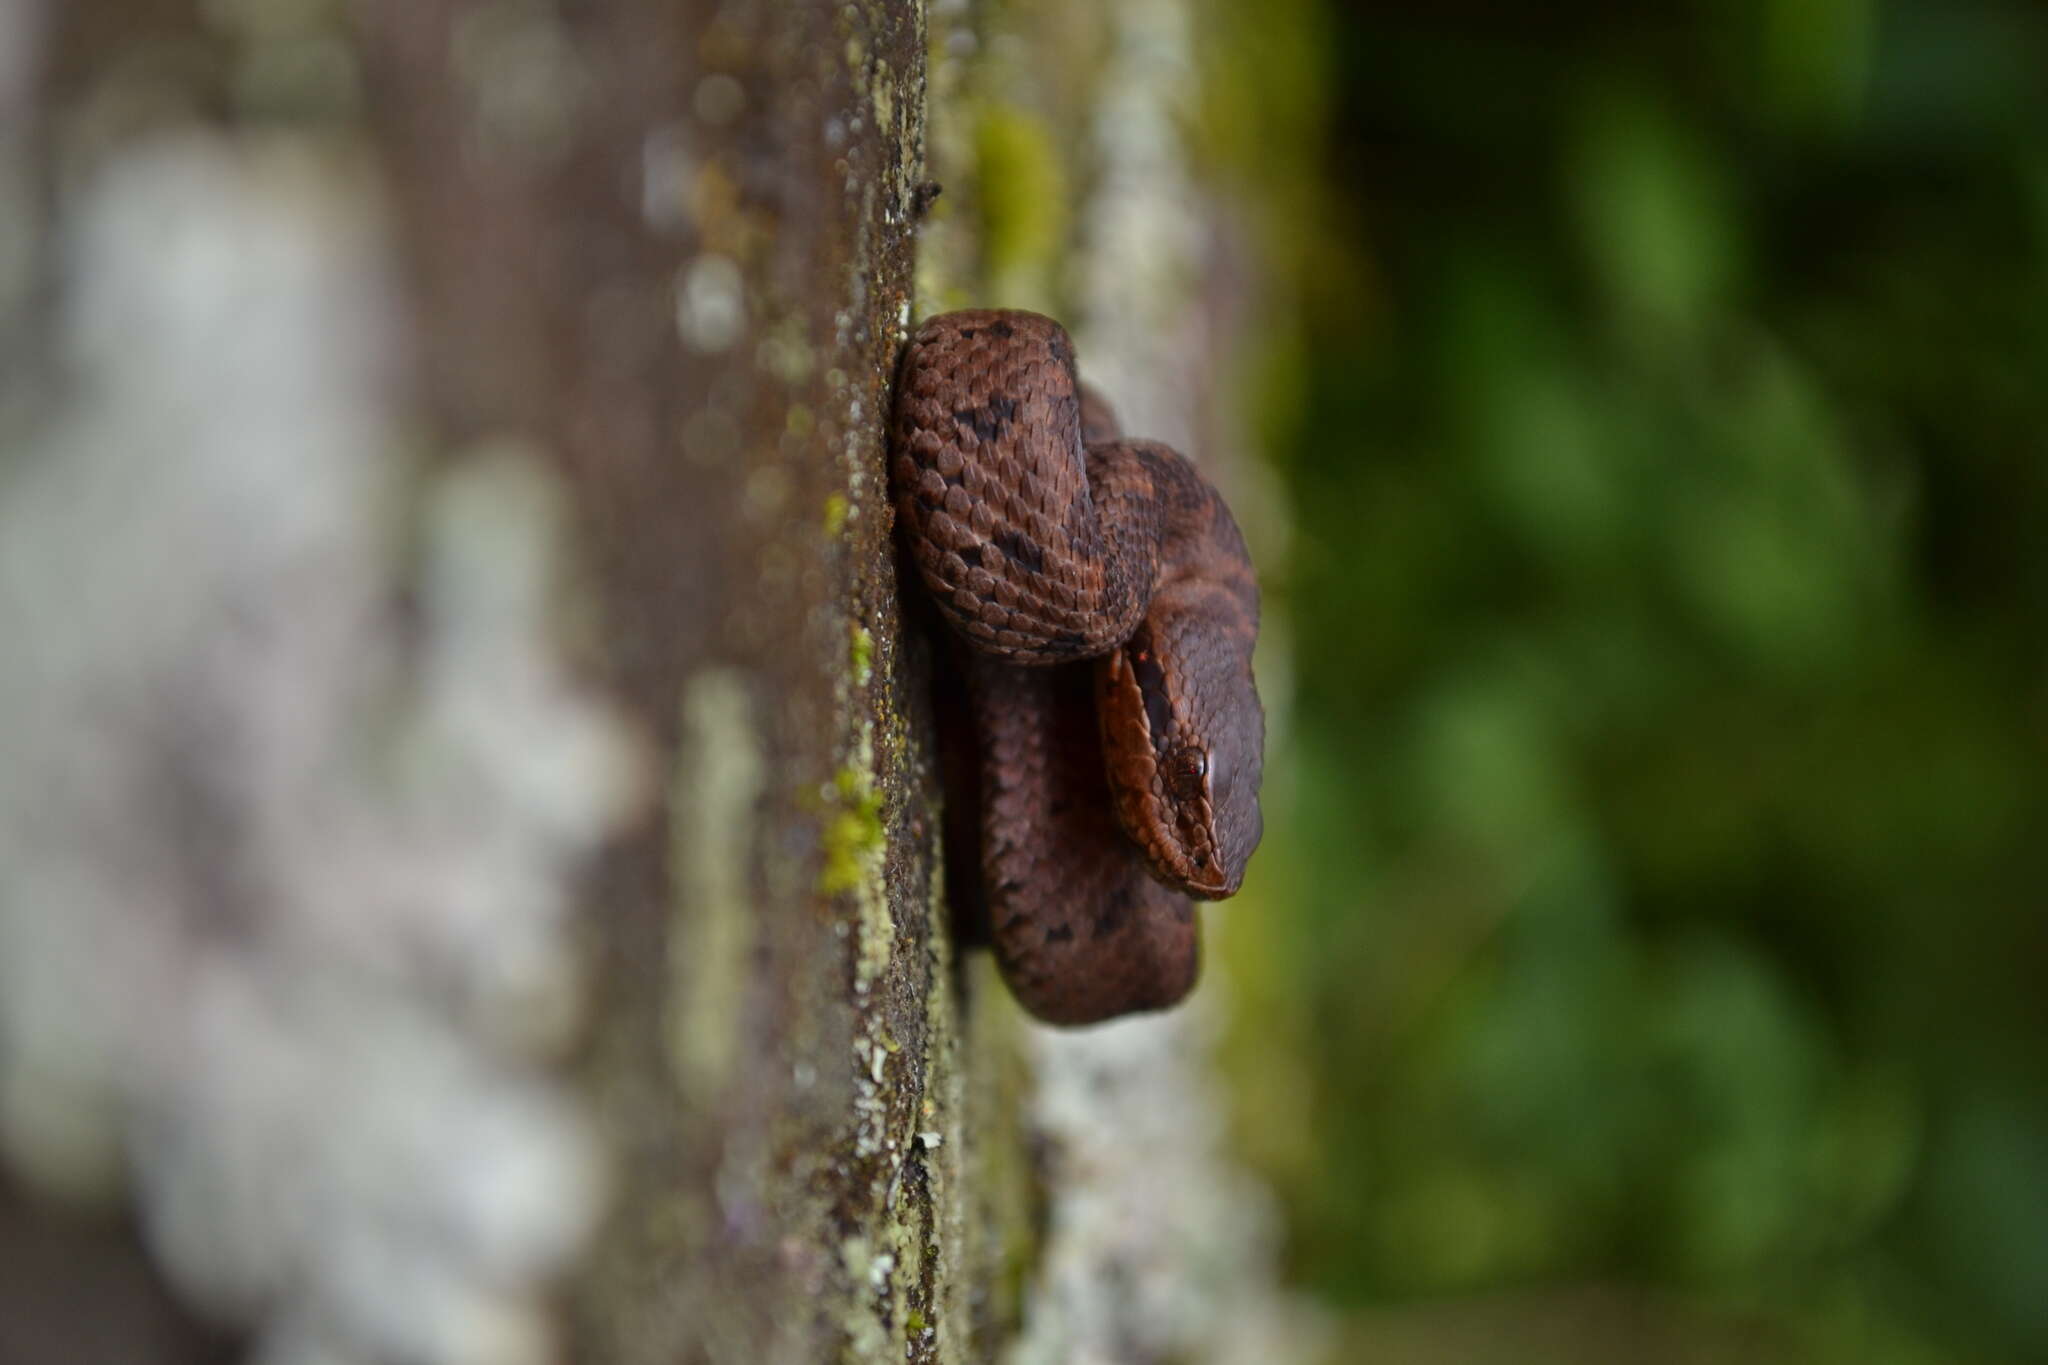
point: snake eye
(1186, 772)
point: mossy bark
(648, 265)
(460, 702)
(712, 282)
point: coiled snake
(1108, 609)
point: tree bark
(469, 843)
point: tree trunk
(469, 872)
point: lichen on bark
(462, 705)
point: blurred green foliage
(1657, 838)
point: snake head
(1183, 735)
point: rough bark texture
(714, 270)
(469, 869)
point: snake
(1102, 610)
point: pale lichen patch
(290, 820)
(714, 802)
(711, 309)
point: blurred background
(1638, 412)
(1646, 958)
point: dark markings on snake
(1107, 792)
(1152, 687)
(1021, 549)
(1115, 910)
(990, 421)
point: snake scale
(1105, 610)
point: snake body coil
(1108, 609)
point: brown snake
(1108, 609)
